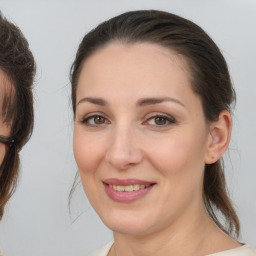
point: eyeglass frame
(7, 140)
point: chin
(127, 228)
(128, 223)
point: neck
(185, 236)
(194, 235)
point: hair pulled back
(210, 80)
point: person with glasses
(17, 71)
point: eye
(95, 120)
(160, 120)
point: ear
(219, 137)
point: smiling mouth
(129, 188)
(127, 193)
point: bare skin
(202, 237)
(5, 88)
(126, 128)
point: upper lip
(126, 182)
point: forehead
(133, 64)
(136, 53)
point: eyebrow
(151, 101)
(140, 103)
(97, 101)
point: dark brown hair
(210, 80)
(17, 63)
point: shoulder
(244, 250)
(103, 251)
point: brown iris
(99, 120)
(160, 120)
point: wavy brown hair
(18, 66)
(210, 80)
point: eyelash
(167, 119)
(87, 119)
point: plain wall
(37, 219)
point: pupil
(99, 120)
(160, 121)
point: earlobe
(219, 136)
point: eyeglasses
(7, 140)
(8, 156)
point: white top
(244, 250)
(103, 251)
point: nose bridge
(123, 149)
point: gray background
(37, 220)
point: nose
(123, 150)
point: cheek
(87, 153)
(5, 131)
(3, 150)
(179, 156)
(180, 163)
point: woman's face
(4, 127)
(140, 137)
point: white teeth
(120, 188)
(136, 187)
(129, 188)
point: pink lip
(125, 196)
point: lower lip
(127, 196)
